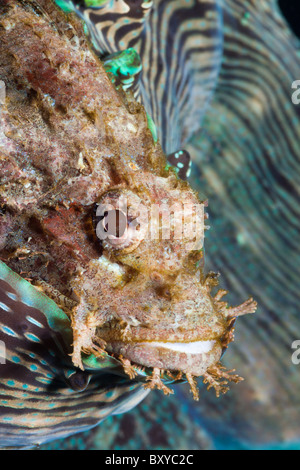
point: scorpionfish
(78, 162)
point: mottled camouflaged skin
(248, 146)
(67, 137)
(69, 141)
(249, 423)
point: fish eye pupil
(115, 223)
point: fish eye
(114, 223)
(117, 221)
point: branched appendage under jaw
(128, 368)
(95, 346)
(156, 382)
(193, 384)
(218, 377)
(172, 376)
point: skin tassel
(156, 382)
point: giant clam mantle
(141, 313)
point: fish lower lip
(194, 347)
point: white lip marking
(195, 347)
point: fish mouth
(191, 351)
(164, 337)
(192, 357)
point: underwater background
(245, 151)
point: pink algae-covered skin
(70, 141)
